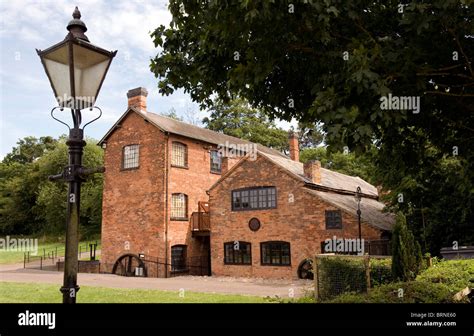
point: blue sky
(26, 97)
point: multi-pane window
(179, 206)
(275, 253)
(178, 258)
(130, 157)
(179, 154)
(254, 198)
(333, 219)
(215, 161)
(237, 253)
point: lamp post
(76, 70)
(358, 197)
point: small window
(215, 161)
(237, 253)
(275, 253)
(130, 157)
(179, 206)
(254, 198)
(333, 219)
(178, 258)
(179, 154)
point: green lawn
(13, 292)
(12, 257)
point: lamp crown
(76, 14)
(76, 26)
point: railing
(200, 221)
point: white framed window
(179, 206)
(179, 154)
(130, 156)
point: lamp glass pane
(56, 63)
(90, 68)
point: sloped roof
(336, 189)
(371, 210)
(329, 178)
(174, 126)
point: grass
(44, 243)
(14, 292)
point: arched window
(275, 253)
(237, 253)
(130, 157)
(179, 154)
(178, 258)
(179, 206)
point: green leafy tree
(349, 163)
(310, 135)
(406, 251)
(237, 118)
(29, 203)
(29, 149)
(51, 202)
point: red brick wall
(133, 200)
(301, 223)
(192, 181)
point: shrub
(340, 274)
(380, 271)
(455, 274)
(412, 292)
(406, 252)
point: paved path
(223, 285)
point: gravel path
(223, 285)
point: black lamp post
(358, 197)
(76, 70)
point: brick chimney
(312, 171)
(294, 146)
(137, 98)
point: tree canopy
(237, 118)
(29, 203)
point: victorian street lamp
(76, 70)
(358, 197)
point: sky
(26, 97)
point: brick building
(170, 201)
(272, 214)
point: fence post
(24, 259)
(316, 278)
(367, 271)
(41, 263)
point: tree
(406, 251)
(172, 114)
(29, 149)
(310, 135)
(325, 61)
(348, 163)
(29, 203)
(335, 63)
(237, 118)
